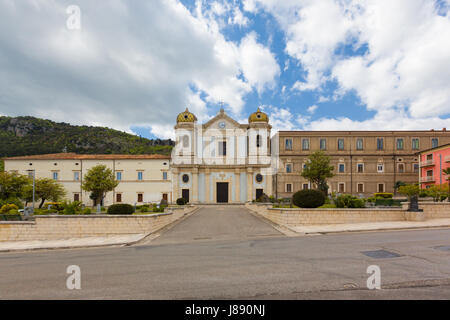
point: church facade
(222, 161)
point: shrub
(144, 209)
(163, 202)
(388, 202)
(121, 208)
(263, 198)
(385, 195)
(71, 207)
(349, 201)
(181, 201)
(8, 208)
(308, 198)
(86, 211)
(15, 201)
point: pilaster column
(195, 185)
(175, 184)
(207, 186)
(249, 184)
(237, 179)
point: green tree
(45, 189)
(398, 184)
(2, 165)
(409, 190)
(446, 171)
(99, 180)
(12, 185)
(318, 170)
(438, 192)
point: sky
(309, 64)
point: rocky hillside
(28, 136)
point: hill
(29, 136)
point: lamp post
(34, 188)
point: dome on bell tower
(258, 116)
(186, 116)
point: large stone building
(223, 161)
(365, 162)
(142, 178)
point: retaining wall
(54, 227)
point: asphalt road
(231, 254)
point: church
(222, 161)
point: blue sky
(311, 65)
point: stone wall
(54, 227)
(300, 216)
(435, 210)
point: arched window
(258, 140)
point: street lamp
(34, 187)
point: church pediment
(223, 121)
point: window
(55, 175)
(359, 144)
(305, 144)
(416, 167)
(323, 144)
(76, 197)
(380, 144)
(258, 141)
(400, 144)
(380, 168)
(360, 187)
(341, 187)
(140, 175)
(165, 197)
(185, 178)
(305, 186)
(340, 144)
(76, 176)
(341, 167)
(164, 175)
(288, 168)
(140, 197)
(415, 143)
(222, 148)
(288, 187)
(119, 197)
(118, 176)
(401, 168)
(288, 144)
(30, 174)
(429, 173)
(360, 167)
(434, 142)
(380, 187)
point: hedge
(308, 198)
(121, 208)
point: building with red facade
(432, 162)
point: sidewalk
(370, 226)
(71, 243)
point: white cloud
(312, 109)
(405, 69)
(133, 63)
(258, 64)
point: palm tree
(447, 172)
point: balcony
(427, 179)
(447, 159)
(427, 163)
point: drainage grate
(381, 254)
(442, 248)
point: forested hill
(29, 136)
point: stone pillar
(207, 186)
(194, 185)
(237, 187)
(249, 184)
(175, 180)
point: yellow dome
(258, 116)
(186, 116)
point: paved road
(237, 266)
(218, 223)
